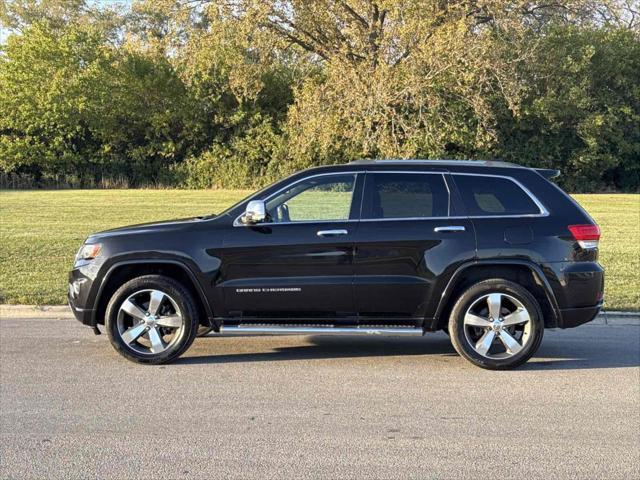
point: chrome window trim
(446, 184)
(412, 219)
(543, 212)
(302, 222)
(355, 173)
(419, 172)
(457, 217)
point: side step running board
(293, 330)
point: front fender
(187, 265)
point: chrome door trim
(451, 228)
(332, 233)
(302, 330)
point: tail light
(587, 236)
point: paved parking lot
(320, 406)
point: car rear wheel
(496, 324)
(151, 319)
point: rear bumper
(576, 285)
(578, 288)
(572, 317)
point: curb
(613, 318)
(620, 318)
(32, 311)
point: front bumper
(83, 315)
(572, 317)
(78, 296)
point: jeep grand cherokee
(490, 252)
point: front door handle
(452, 228)
(331, 233)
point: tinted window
(326, 197)
(405, 195)
(494, 196)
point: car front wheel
(496, 324)
(151, 319)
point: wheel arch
(523, 272)
(124, 271)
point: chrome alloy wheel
(497, 326)
(149, 322)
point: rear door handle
(331, 233)
(452, 228)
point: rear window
(405, 195)
(494, 196)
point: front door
(408, 235)
(298, 263)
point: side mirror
(255, 212)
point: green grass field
(40, 232)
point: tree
(401, 79)
(45, 84)
(74, 102)
(581, 109)
(237, 92)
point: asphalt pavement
(316, 407)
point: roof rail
(485, 163)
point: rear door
(299, 263)
(409, 235)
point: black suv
(490, 252)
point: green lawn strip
(40, 232)
(619, 219)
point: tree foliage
(237, 92)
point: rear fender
(459, 275)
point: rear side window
(405, 195)
(494, 196)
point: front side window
(494, 196)
(321, 198)
(405, 195)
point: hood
(151, 227)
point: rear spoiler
(548, 173)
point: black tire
(183, 300)
(473, 296)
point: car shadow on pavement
(554, 355)
(318, 347)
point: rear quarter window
(494, 196)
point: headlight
(89, 251)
